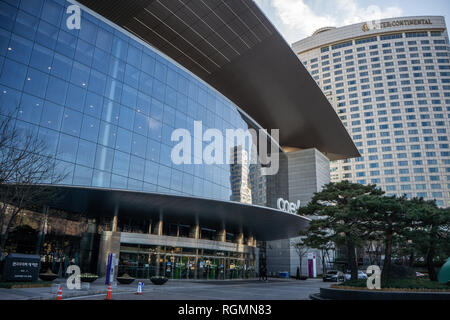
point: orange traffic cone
(59, 296)
(109, 293)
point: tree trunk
(3, 238)
(323, 263)
(5, 233)
(411, 259)
(42, 231)
(430, 265)
(385, 274)
(352, 260)
(300, 266)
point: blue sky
(297, 19)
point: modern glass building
(107, 97)
(389, 82)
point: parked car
(333, 276)
(419, 275)
(361, 275)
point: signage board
(377, 25)
(21, 267)
(312, 266)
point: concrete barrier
(344, 294)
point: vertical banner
(108, 269)
(312, 267)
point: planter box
(159, 281)
(88, 279)
(125, 280)
(47, 276)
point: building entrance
(143, 262)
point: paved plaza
(274, 289)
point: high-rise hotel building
(389, 82)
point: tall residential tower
(389, 81)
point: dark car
(333, 276)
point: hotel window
(342, 45)
(392, 36)
(366, 40)
(416, 34)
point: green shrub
(401, 271)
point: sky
(298, 19)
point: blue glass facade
(106, 103)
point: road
(213, 290)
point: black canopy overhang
(263, 223)
(232, 46)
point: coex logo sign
(286, 206)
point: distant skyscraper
(389, 81)
(240, 184)
(258, 185)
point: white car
(419, 275)
(361, 275)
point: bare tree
(25, 168)
(302, 251)
(325, 255)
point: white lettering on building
(286, 206)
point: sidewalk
(49, 293)
(99, 287)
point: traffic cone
(109, 293)
(59, 296)
(139, 289)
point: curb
(343, 294)
(316, 297)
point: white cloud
(296, 20)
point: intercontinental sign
(375, 25)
